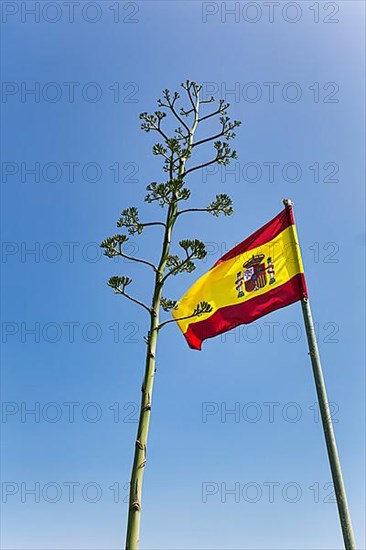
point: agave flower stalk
(177, 152)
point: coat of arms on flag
(254, 275)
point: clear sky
(257, 478)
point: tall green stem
(139, 462)
(134, 513)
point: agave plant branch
(181, 266)
(226, 131)
(186, 210)
(167, 304)
(174, 320)
(113, 247)
(221, 205)
(170, 105)
(153, 122)
(223, 156)
(171, 165)
(148, 224)
(222, 110)
(195, 91)
(137, 260)
(134, 259)
(119, 284)
(132, 299)
(130, 220)
(200, 166)
(195, 250)
(171, 160)
(200, 309)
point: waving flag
(261, 274)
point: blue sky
(93, 72)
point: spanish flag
(261, 274)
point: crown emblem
(255, 275)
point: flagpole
(335, 466)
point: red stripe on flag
(232, 316)
(266, 233)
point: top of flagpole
(287, 202)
